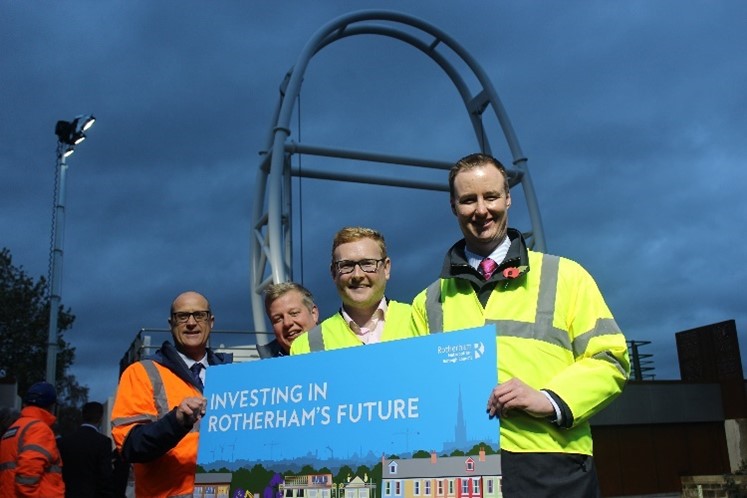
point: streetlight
(69, 134)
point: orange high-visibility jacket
(163, 452)
(173, 473)
(30, 464)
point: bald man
(157, 428)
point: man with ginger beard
(360, 269)
(561, 355)
(291, 310)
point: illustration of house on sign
(468, 476)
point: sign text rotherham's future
(267, 408)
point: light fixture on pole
(72, 133)
(69, 134)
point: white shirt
(498, 254)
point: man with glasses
(360, 269)
(159, 403)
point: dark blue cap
(41, 394)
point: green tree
(307, 470)
(345, 473)
(362, 471)
(241, 479)
(24, 324)
(481, 446)
(376, 476)
(421, 454)
(259, 478)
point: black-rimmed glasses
(183, 316)
(366, 265)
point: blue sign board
(352, 405)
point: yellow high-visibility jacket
(335, 333)
(554, 332)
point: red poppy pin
(511, 272)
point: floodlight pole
(69, 134)
(58, 228)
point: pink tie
(487, 267)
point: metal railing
(241, 344)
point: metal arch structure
(271, 241)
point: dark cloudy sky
(631, 113)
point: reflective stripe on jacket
(30, 464)
(335, 333)
(147, 392)
(554, 332)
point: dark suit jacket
(86, 464)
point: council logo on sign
(461, 352)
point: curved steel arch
(271, 247)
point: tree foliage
(363, 472)
(377, 473)
(307, 470)
(481, 446)
(345, 474)
(254, 479)
(24, 328)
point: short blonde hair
(352, 234)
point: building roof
(435, 466)
(213, 478)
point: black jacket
(86, 463)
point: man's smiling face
(359, 289)
(191, 335)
